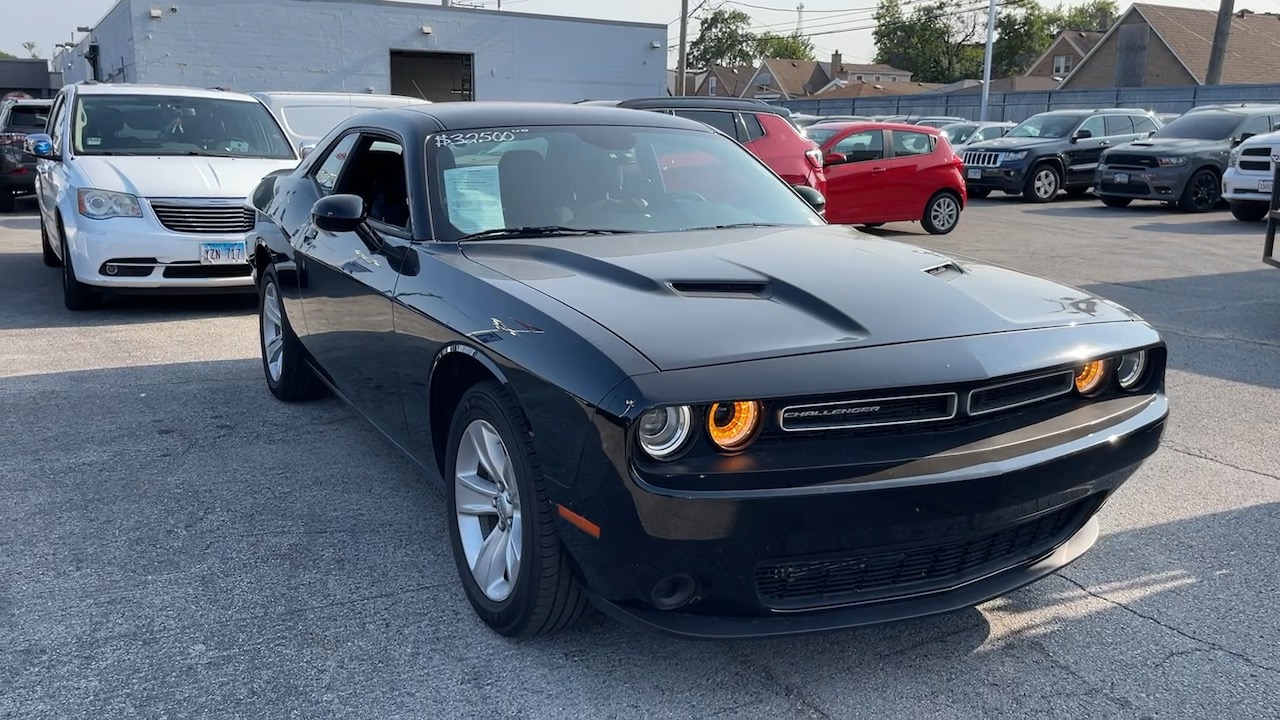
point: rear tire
(941, 213)
(540, 595)
(1249, 211)
(284, 363)
(1116, 202)
(8, 202)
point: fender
(475, 354)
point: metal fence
(1018, 106)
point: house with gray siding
(438, 52)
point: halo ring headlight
(1091, 377)
(662, 432)
(1131, 369)
(734, 425)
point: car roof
(344, 97)
(516, 114)
(28, 101)
(92, 88)
(881, 125)
(1093, 111)
(709, 103)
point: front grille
(1016, 393)
(203, 219)
(1121, 159)
(869, 412)
(1255, 165)
(195, 271)
(883, 574)
(976, 158)
(1256, 152)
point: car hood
(178, 176)
(1015, 143)
(1170, 146)
(700, 298)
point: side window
(326, 173)
(56, 116)
(862, 146)
(992, 132)
(754, 129)
(1143, 124)
(1095, 126)
(376, 172)
(718, 119)
(907, 143)
(1256, 125)
(1119, 125)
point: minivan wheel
(1043, 184)
(46, 247)
(76, 295)
(1202, 192)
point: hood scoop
(945, 271)
(722, 288)
(1142, 144)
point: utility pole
(1221, 33)
(682, 66)
(986, 62)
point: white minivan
(1250, 176)
(309, 116)
(143, 187)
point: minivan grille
(184, 217)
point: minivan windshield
(119, 124)
(1045, 126)
(549, 180)
(1205, 125)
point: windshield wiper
(533, 231)
(209, 153)
(735, 225)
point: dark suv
(19, 118)
(1052, 152)
(1183, 162)
(766, 130)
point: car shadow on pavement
(31, 296)
(20, 222)
(221, 532)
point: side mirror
(834, 158)
(811, 196)
(39, 145)
(1081, 135)
(338, 213)
(305, 149)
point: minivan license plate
(1122, 178)
(221, 253)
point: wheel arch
(455, 369)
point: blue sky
(832, 24)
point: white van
(309, 116)
(1251, 170)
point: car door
(910, 179)
(350, 279)
(856, 192)
(1083, 153)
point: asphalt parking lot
(175, 543)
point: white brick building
(381, 46)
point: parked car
(19, 118)
(143, 187)
(309, 116)
(825, 119)
(899, 433)
(762, 128)
(938, 121)
(1181, 163)
(1249, 180)
(891, 172)
(1052, 152)
(962, 134)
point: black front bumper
(1006, 178)
(835, 557)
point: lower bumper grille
(1129, 188)
(800, 583)
(196, 271)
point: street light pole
(682, 67)
(986, 61)
(1218, 51)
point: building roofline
(493, 13)
(1061, 36)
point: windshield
(820, 134)
(1045, 126)
(27, 118)
(621, 179)
(175, 125)
(1202, 126)
(958, 134)
(313, 122)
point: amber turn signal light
(1091, 376)
(733, 425)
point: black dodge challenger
(656, 381)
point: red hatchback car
(889, 172)
(760, 127)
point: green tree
(30, 47)
(5, 56)
(787, 47)
(938, 42)
(1025, 31)
(724, 38)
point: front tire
(50, 257)
(1202, 193)
(1249, 211)
(941, 213)
(977, 194)
(76, 296)
(8, 202)
(289, 377)
(1116, 202)
(510, 561)
(1043, 184)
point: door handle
(879, 169)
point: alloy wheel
(487, 506)
(1045, 183)
(273, 331)
(1204, 191)
(945, 212)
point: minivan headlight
(103, 204)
